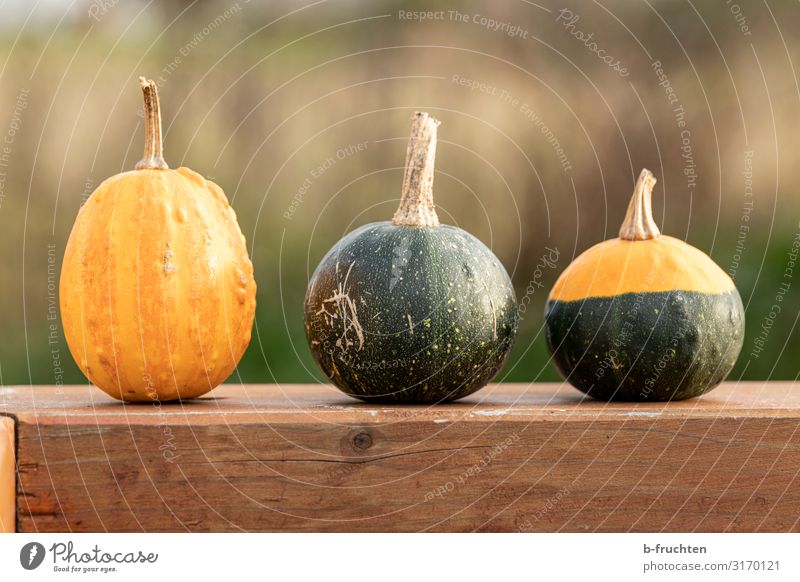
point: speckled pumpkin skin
(410, 314)
(669, 345)
(651, 320)
(157, 291)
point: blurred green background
(546, 121)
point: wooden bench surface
(513, 457)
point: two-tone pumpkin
(644, 316)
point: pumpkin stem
(416, 202)
(639, 223)
(153, 148)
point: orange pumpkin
(157, 291)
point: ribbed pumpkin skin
(649, 320)
(410, 314)
(157, 291)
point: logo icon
(31, 555)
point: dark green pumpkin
(644, 316)
(402, 312)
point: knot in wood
(362, 441)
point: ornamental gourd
(157, 290)
(644, 316)
(410, 310)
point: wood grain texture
(7, 476)
(307, 458)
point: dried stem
(153, 149)
(639, 223)
(416, 202)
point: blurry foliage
(256, 96)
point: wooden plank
(8, 501)
(307, 458)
